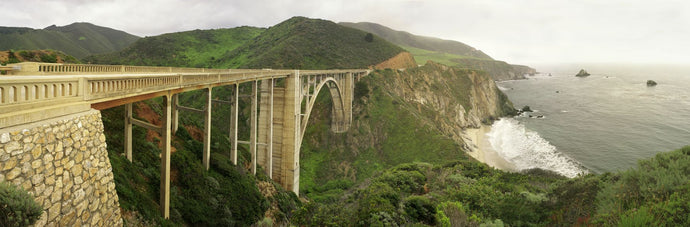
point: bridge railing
(37, 68)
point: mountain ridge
(77, 39)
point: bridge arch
(338, 112)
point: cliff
(499, 70)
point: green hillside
(405, 39)
(198, 48)
(78, 39)
(303, 43)
(448, 52)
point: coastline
(481, 150)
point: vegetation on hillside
(77, 39)
(447, 52)
(198, 48)
(406, 39)
(48, 56)
(304, 43)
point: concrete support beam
(175, 113)
(207, 129)
(252, 130)
(266, 116)
(165, 157)
(269, 155)
(128, 131)
(233, 123)
(291, 136)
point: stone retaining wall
(64, 164)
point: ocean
(602, 123)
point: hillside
(198, 48)
(448, 52)
(406, 39)
(303, 43)
(77, 39)
(49, 56)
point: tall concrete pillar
(252, 130)
(291, 136)
(128, 131)
(265, 152)
(207, 129)
(165, 156)
(233, 123)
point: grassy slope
(406, 39)
(198, 48)
(303, 43)
(78, 39)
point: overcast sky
(521, 32)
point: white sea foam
(527, 150)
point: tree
(369, 37)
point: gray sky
(517, 31)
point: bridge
(281, 102)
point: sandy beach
(481, 149)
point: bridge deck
(35, 91)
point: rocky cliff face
(448, 98)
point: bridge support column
(266, 117)
(128, 131)
(252, 119)
(207, 129)
(175, 113)
(233, 123)
(165, 156)
(291, 140)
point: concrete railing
(36, 68)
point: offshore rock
(651, 83)
(582, 73)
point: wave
(527, 150)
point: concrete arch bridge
(281, 101)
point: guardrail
(36, 68)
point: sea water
(602, 123)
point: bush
(420, 209)
(17, 207)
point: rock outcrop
(651, 83)
(582, 73)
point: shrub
(17, 207)
(420, 209)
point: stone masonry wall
(64, 164)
